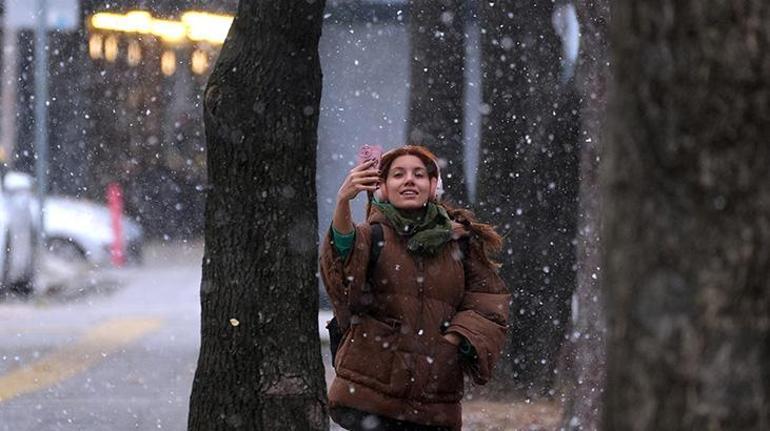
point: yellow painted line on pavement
(95, 345)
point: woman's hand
(361, 177)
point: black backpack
(335, 333)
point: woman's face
(408, 186)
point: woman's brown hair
(429, 159)
(483, 236)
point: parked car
(75, 228)
(79, 229)
(18, 233)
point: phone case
(369, 152)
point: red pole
(115, 203)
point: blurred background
(121, 165)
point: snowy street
(120, 353)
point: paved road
(116, 353)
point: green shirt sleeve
(343, 242)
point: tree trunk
(687, 229)
(527, 182)
(260, 363)
(437, 91)
(586, 377)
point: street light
(193, 26)
(199, 62)
(168, 31)
(134, 55)
(203, 30)
(207, 27)
(168, 62)
(95, 46)
(111, 48)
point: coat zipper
(421, 298)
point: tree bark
(687, 230)
(586, 380)
(437, 90)
(527, 182)
(260, 363)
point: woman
(432, 307)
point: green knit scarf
(427, 234)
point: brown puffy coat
(393, 360)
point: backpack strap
(377, 242)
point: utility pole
(41, 109)
(10, 77)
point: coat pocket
(445, 377)
(367, 354)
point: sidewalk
(511, 416)
(505, 416)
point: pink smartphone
(369, 152)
